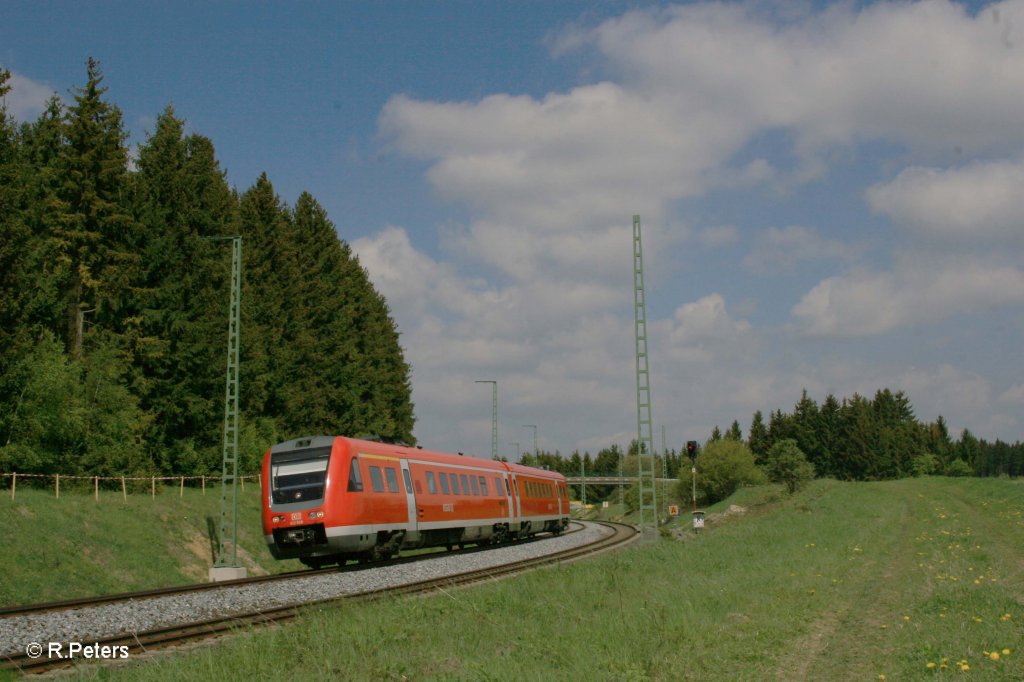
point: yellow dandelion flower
(931, 665)
(964, 667)
(1006, 652)
(881, 677)
(906, 618)
(994, 656)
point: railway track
(131, 644)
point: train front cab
(295, 479)
(326, 502)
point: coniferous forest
(113, 308)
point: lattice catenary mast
(229, 459)
(646, 458)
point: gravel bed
(89, 624)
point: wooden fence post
(14, 482)
(153, 486)
(124, 490)
(204, 486)
(243, 483)
(181, 491)
(57, 488)
(96, 487)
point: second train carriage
(328, 499)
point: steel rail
(142, 642)
(86, 602)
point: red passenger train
(327, 499)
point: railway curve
(144, 621)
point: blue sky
(830, 193)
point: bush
(959, 468)
(787, 464)
(722, 467)
(925, 464)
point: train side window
(392, 480)
(408, 481)
(444, 483)
(465, 484)
(455, 483)
(431, 483)
(476, 486)
(376, 480)
(508, 491)
(483, 485)
(355, 479)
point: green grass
(844, 581)
(77, 546)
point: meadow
(80, 546)
(916, 579)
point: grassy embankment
(910, 580)
(77, 546)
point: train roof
(380, 448)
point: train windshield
(299, 475)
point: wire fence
(135, 483)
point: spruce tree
(95, 231)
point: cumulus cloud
(980, 201)
(927, 74)
(864, 303)
(550, 183)
(27, 98)
(777, 250)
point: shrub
(787, 464)
(722, 467)
(958, 467)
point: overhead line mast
(646, 457)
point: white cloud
(27, 98)
(980, 201)
(864, 303)
(550, 184)
(778, 250)
(924, 73)
(705, 320)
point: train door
(515, 497)
(410, 497)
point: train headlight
(316, 514)
(276, 519)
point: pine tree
(758, 441)
(180, 195)
(95, 231)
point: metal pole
(536, 452)
(583, 476)
(646, 476)
(494, 415)
(229, 457)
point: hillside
(76, 546)
(897, 580)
